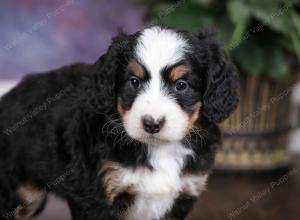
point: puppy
(132, 136)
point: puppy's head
(162, 81)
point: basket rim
(264, 134)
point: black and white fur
(93, 137)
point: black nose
(151, 125)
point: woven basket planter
(255, 136)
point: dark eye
(180, 85)
(134, 82)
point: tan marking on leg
(32, 198)
(112, 179)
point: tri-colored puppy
(132, 136)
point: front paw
(122, 203)
(181, 208)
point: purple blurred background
(40, 35)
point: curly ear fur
(220, 96)
(102, 92)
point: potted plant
(263, 40)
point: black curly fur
(61, 146)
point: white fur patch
(156, 49)
(158, 188)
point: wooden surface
(256, 196)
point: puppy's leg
(182, 206)
(119, 196)
(32, 200)
(90, 209)
(193, 185)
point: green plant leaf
(276, 65)
(274, 15)
(249, 57)
(187, 16)
(203, 2)
(295, 37)
(239, 32)
(238, 11)
(239, 14)
(225, 28)
(296, 44)
(296, 20)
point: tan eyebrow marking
(178, 72)
(137, 69)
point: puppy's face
(159, 95)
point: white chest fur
(158, 188)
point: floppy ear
(220, 96)
(102, 91)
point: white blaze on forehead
(157, 48)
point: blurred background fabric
(37, 36)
